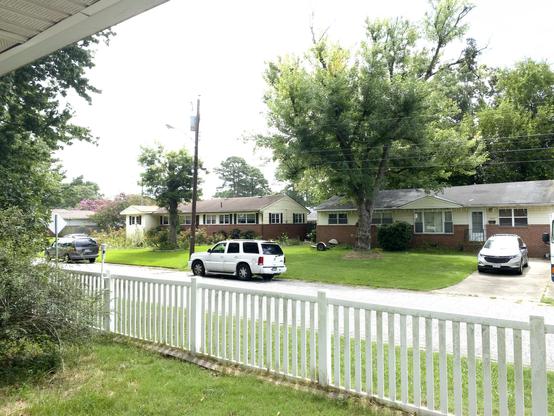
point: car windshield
(272, 249)
(502, 243)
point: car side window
(219, 248)
(521, 243)
(233, 248)
(251, 248)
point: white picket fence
(420, 361)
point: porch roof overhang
(31, 29)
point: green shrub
(395, 237)
(248, 235)
(42, 308)
(311, 236)
(114, 238)
(283, 239)
(217, 237)
(158, 238)
(235, 234)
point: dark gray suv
(73, 249)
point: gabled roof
(30, 29)
(216, 205)
(73, 214)
(139, 209)
(488, 195)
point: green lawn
(117, 379)
(403, 270)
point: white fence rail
(416, 360)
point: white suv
(503, 252)
(241, 258)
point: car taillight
(260, 261)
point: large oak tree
(359, 122)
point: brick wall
(455, 241)
(267, 231)
(531, 235)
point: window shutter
(281, 218)
(204, 218)
(257, 218)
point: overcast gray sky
(160, 61)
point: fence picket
(285, 335)
(380, 356)
(403, 361)
(268, 346)
(346, 356)
(237, 327)
(253, 330)
(392, 357)
(471, 370)
(368, 354)
(357, 352)
(294, 304)
(260, 332)
(416, 361)
(518, 373)
(502, 372)
(443, 367)
(429, 364)
(277, 343)
(486, 358)
(336, 342)
(245, 328)
(217, 323)
(457, 374)
(313, 357)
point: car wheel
(67, 259)
(91, 260)
(267, 277)
(243, 271)
(480, 269)
(526, 262)
(520, 269)
(198, 268)
(320, 247)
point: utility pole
(194, 179)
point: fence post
(324, 339)
(539, 395)
(107, 301)
(194, 316)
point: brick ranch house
(267, 216)
(458, 217)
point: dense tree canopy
(108, 215)
(167, 178)
(34, 122)
(240, 179)
(517, 129)
(72, 193)
(376, 118)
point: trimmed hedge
(395, 237)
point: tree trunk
(363, 232)
(173, 224)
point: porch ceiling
(30, 29)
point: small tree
(168, 179)
(240, 179)
(108, 216)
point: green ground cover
(414, 270)
(117, 379)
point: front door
(477, 226)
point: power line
(448, 165)
(416, 145)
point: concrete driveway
(530, 286)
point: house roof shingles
(73, 214)
(493, 194)
(225, 205)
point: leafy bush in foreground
(41, 308)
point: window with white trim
(299, 218)
(164, 219)
(338, 218)
(187, 220)
(131, 219)
(211, 219)
(381, 217)
(275, 218)
(139, 219)
(246, 219)
(225, 219)
(433, 222)
(512, 217)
